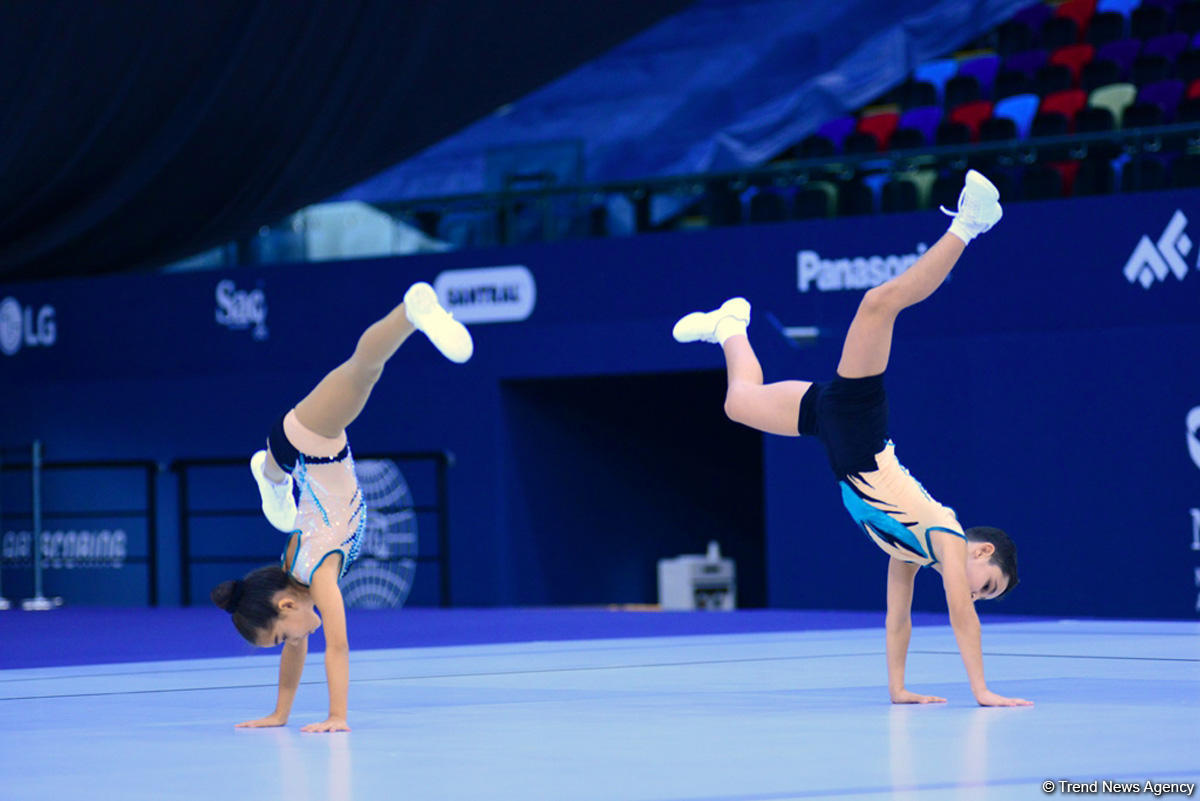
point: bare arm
(964, 620)
(328, 597)
(901, 576)
(291, 666)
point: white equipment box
(695, 581)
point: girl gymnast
(307, 449)
(849, 416)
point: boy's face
(984, 577)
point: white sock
(961, 231)
(729, 327)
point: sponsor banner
(242, 309)
(28, 326)
(488, 294)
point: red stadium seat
(1079, 10)
(1074, 57)
(1068, 170)
(881, 126)
(972, 115)
(1193, 89)
(1066, 103)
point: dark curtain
(134, 133)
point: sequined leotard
(331, 515)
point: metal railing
(184, 468)
(37, 515)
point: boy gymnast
(849, 415)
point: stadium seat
(971, 115)
(1142, 115)
(1041, 182)
(1020, 109)
(1095, 177)
(1185, 172)
(1148, 21)
(1013, 36)
(1100, 72)
(721, 204)
(1116, 98)
(1066, 103)
(1028, 61)
(983, 69)
(836, 130)
(924, 119)
(1059, 32)
(1054, 78)
(962, 89)
(937, 72)
(1067, 171)
(946, 188)
(1034, 15)
(1074, 57)
(1187, 18)
(1189, 110)
(952, 133)
(855, 198)
(1193, 89)
(1169, 45)
(767, 206)
(1187, 68)
(1124, 7)
(881, 126)
(1011, 82)
(917, 94)
(1094, 119)
(899, 196)
(815, 146)
(923, 179)
(860, 142)
(909, 139)
(1149, 69)
(1081, 11)
(815, 199)
(1166, 94)
(1143, 174)
(1107, 26)
(1123, 53)
(1051, 123)
(998, 129)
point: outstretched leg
(869, 341)
(773, 408)
(340, 397)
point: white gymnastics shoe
(702, 326)
(978, 208)
(447, 334)
(278, 503)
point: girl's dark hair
(250, 600)
(1005, 555)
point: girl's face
(297, 619)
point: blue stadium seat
(937, 72)
(1020, 109)
(1125, 7)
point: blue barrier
(1044, 389)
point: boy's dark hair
(1005, 555)
(250, 600)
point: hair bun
(227, 595)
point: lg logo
(21, 325)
